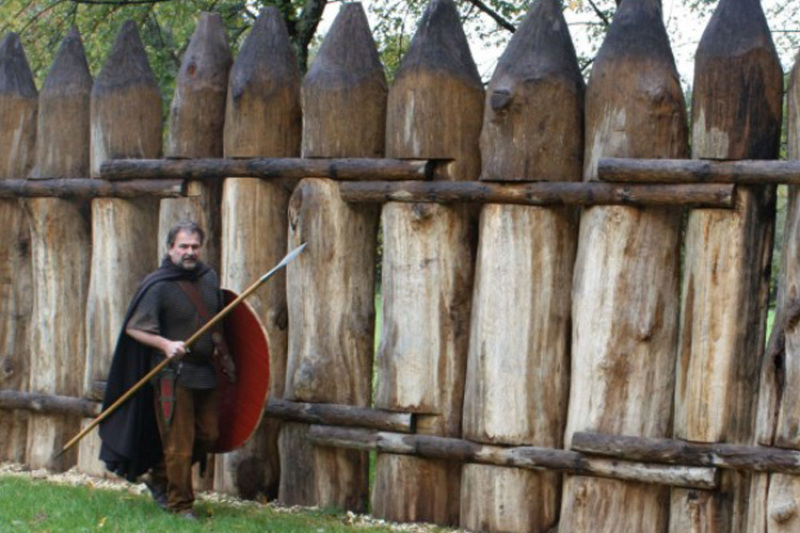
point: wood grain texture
(18, 109)
(61, 250)
(196, 120)
(331, 286)
(625, 289)
(262, 120)
(125, 123)
(736, 114)
(435, 110)
(517, 385)
(774, 498)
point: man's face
(185, 251)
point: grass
(39, 506)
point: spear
(197, 334)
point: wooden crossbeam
(47, 403)
(340, 415)
(528, 457)
(685, 171)
(544, 193)
(291, 168)
(91, 188)
(674, 451)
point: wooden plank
(736, 114)
(517, 385)
(18, 108)
(262, 119)
(625, 296)
(435, 111)
(540, 194)
(196, 120)
(125, 122)
(331, 287)
(61, 251)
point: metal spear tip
(291, 255)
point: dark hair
(188, 226)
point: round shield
(242, 402)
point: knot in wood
(500, 100)
(783, 512)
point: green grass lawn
(40, 506)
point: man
(172, 303)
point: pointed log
(774, 499)
(736, 114)
(627, 264)
(435, 110)
(262, 120)
(61, 245)
(332, 286)
(517, 385)
(196, 120)
(125, 123)
(18, 107)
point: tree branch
(600, 14)
(501, 21)
(118, 2)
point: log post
(736, 114)
(517, 384)
(331, 287)
(263, 119)
(18, 107)
(625, 291)
(125, 123)
(774, 499)
(196, 120)
(61, 246)
(435, 110)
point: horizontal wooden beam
(297, 168)
(678, 171)
(527, 457)
(340, 415)
(48, 403)
(545, 193)
(673, 451)
(90, 188)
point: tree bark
(18, 108)
(434, 111)
(332, 285)
(262, 120)
(125, 123)
(736, 114)
(61, 246)
(625, 289)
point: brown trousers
(189, 436)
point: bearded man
(162, 430)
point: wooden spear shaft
(197, 334)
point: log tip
(70, 70)
(15, 73)
(266, 53)
(542, 46)
(349, 45)
(126, 63)
(440, 44)
(208, 48)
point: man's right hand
(174, 348)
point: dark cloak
(131, 443)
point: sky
(684, 28)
